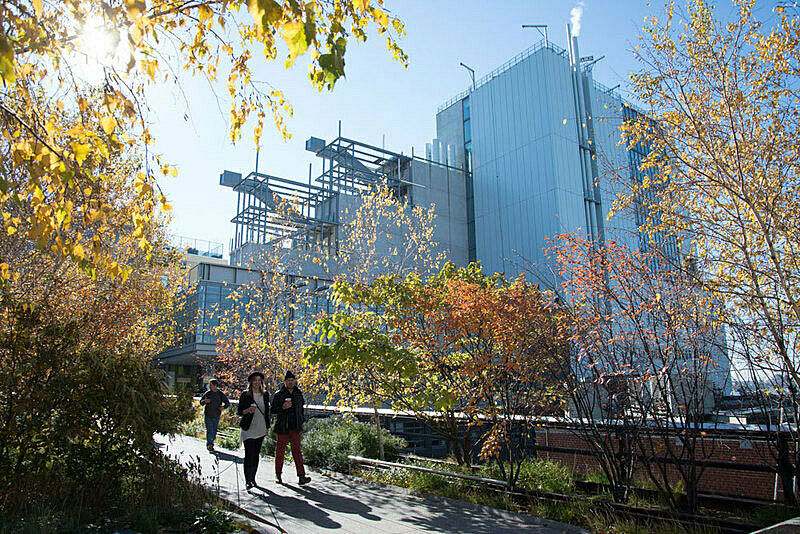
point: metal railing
(201, 247)
(503, 68)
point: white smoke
(575, 15)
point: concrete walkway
(343, 503)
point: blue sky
(378, 97)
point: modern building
(211, 281)
(190, 361)
(196, 251)
(540, 137)
(527, 152)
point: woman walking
(254, 409)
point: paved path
(345, 504)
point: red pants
(297, 454)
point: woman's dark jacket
(245, 401)
(282, 425)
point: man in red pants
(287, 404)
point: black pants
(252, 450)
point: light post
(471, 73)
(542, 29)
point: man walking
(214, 401)
(287, 404)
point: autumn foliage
(649, 358)
(76, 76)
(461, 350)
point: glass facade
(213, 296)
(471, 245)
(525, 169)
(521, 140)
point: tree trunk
(380, 431)
(786, 472)
(465, 444)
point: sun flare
(101, 47)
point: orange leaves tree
(97, 61)
(459, 351)
(723, 160)
(649, 351)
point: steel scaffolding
(271, 209)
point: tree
(135, 46)
(721, 123)
(459, 351)
(261, 325)
(518, 347)
(79, 397)
(370, 336)
(766, 388)
(266, 323)
(648, 339)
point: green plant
(539, 475)
(328, 442)
(230, 441)
(597, 476)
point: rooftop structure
(276, 211)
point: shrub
(328, 442)
(539, 475)
(196, 427)
(80, 398)
(229, 442)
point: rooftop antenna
(591, 61)
(542, 29)
(471, 73)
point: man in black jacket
(287, 404)
(214, 401)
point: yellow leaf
(294, 34)
(264, 12)
(7, 61)
(80, 150)
(108, 123)
(37, 7)
(135, 8)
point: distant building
(211, 281)
(525, 154)
(540, 137)
(196, 251)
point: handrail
(383, 463)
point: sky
(378, 102)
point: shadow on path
(297, 508)
(337, 503)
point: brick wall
(713, 480)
